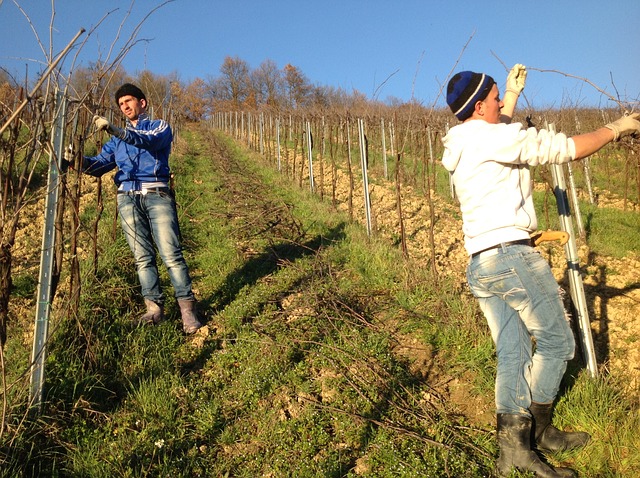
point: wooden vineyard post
(573, 267)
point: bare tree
(192, 100)
(157, 88)
(297, 85)
(268, 84)
(233, 85)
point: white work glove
(625, 126)
(516, 79)
(67, 158)
(102, 123)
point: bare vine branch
(44, 76)
(34, 30)
(377, 90)
(623, 105)
(453, 68)
(585, 80)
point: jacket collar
(141, 117)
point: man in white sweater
(489, 161)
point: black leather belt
(162, 189)
(521, 242)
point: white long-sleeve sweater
(489, 164)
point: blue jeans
(150, 221)
(520, 299)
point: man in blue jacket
(146, 203)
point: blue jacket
(142, 156)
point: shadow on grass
(272, 259)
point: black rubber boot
(514, 440)
(547, 437)
(154, 313)
(190, 322)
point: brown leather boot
(190, 322)
(154, 314)
(514, 440)
(547, 437)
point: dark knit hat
(465, 89)
(129, 89)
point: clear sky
(396, 48)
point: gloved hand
(102, 123)
(625, 126)
(516, 78)
(67, 158)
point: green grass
(328, 355)
(608, 231)
(612, 232)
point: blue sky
(402, 49)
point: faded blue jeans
(150, 221)
(520, 299)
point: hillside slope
(325, 352)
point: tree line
(236, 87)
